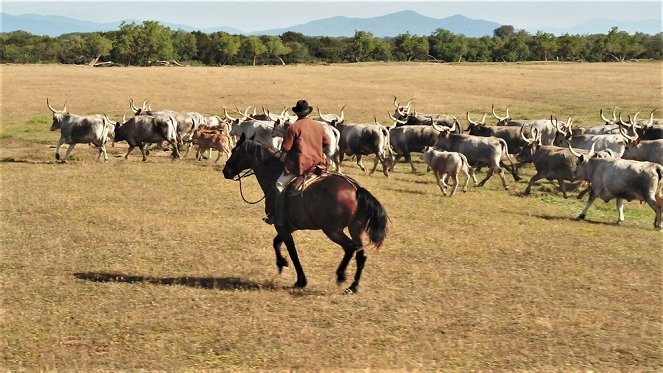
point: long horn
(483, 120)
(591, 151)
(396, 103)
(376, 120)
(507, 113)
(470, 120)
(614, 118)
(64, 109)
(573, 150)
(409, 103)
(319, 113)
(396, 120)
(145, 105)
(622, 121)
(225, 112)
(522, 134)
(246, 112)
(149, 106)
(606, 120)
(124, 118)
(132, 106)
(492, 107)
(50, 107)
(634, 122)
(651, 118)
(342, 118)
(626, 136)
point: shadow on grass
(28, 161)
(221, 283)
(575, 219)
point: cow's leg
(396, 159)
(102, 150)
(360, 163)
(142, 150)
(562, 186)
(454, 177)
(131, 147)
(176, 150)
(467, 180)
(377, 160)
(592, 196)
(440, 182)
(408, 158)
(620, 210)
(534, 179)
(488, 176)
(69, 150)
(657, 211)
(57, 148)
(512, 170)
(473, 173)
(218, 157)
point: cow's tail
(505, 149)
(387, 142)
(659, 185)
(373, 217)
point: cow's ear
(252, 138)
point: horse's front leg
(286, 235)
(280, 260)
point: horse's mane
(258, 150)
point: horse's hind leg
(356, 230)
(280, 260)
(349, 248)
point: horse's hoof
(581, 217)
(349, 291)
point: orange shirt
(303, 143)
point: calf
(211, 139)
(444, 164)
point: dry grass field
(126, 265)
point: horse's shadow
(219, 283)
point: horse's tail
(373, 217)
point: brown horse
(330, 204)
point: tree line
(151, 43)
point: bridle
(250, 172)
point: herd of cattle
(620, 158)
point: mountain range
(382, 26)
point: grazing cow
(645, 150)
(207, 139)
(365, 139)
(480, 151)
(410, 139)
(76, 129)
(444, 164)
(145, 129)
(621, 179)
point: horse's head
(245, 155)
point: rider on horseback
(302, 149)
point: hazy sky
(254, 16)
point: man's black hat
(302, 108)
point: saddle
(300, 183)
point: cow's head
(280, 127)
(402, 112)
(563, 131)
(526, 154)
(475, 127)
(332, 119)
(501, 121)
(631, 141)
(609, 121)
(583, 160)
(57, 115)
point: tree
(447, 46)
(185, 45)
(570, 46)
(94, 46)
(516, 48)
(622, 46)
(154, 43)
(410, 46)
(275, 47)
(227, 46)
(383, 50)
(363, 45)
(504, 31)
(254, 47)
(544, 45)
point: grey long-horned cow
(623, 180)
(76, 129)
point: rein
(241, 190)
(249, 172)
